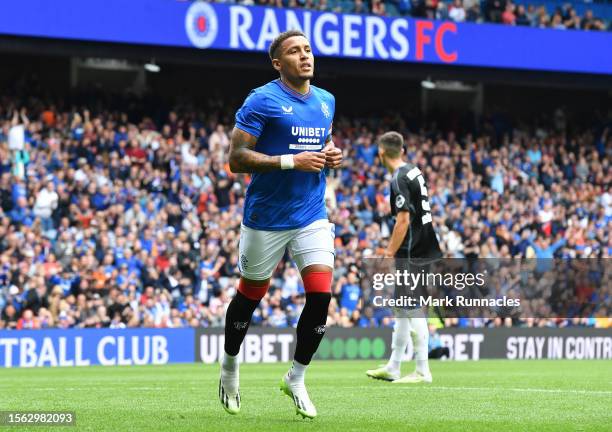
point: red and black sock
(239, 313)
(311, 326)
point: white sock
(420, 339)
(422, 367)
(296, 372)
(230, 363)
(400, 339)
(230, 373)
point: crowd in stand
(495, 11)
(111, 221)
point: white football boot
(383, 373)
(297, 392)
(229, 398)
(414, 378)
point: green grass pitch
(484, 395)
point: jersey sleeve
(403, 200)
(252, 115)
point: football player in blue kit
(283, 137)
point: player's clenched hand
(333, 156)
(309, 161)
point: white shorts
(261, 251)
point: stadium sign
(86, 347)
(251, 28)
(575, 343)
(259, 346)
(270, 345)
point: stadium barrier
(86, 347)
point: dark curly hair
(276, 43)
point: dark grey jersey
(409, 193)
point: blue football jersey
(285, 121)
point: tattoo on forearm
(243, 159)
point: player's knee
(317, 282)
(252, 289)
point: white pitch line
(367, 387)
(521, 390)
(122, 388)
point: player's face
(296, 59)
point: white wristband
(287, 162)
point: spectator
(472, 9)
(442, 11)
(219, 141)
(557, 22)
(508, 16)
(349, 292)
(28, 321)
(291, 285)
(456, 11)
(436, 349)
(542, 17)
(544, 249)
(323, 6)
(588, 21)
(366, 151)
(10, 318)
(532, 15)
(359, 8)
(431, 8)
(21, 214)
(46, 203)
(522, 19)
(495, 8)
(378, 8)
(571, 20)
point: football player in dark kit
(413, 244)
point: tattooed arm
(243, 159)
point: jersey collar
(399, 168)
(292, 92)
